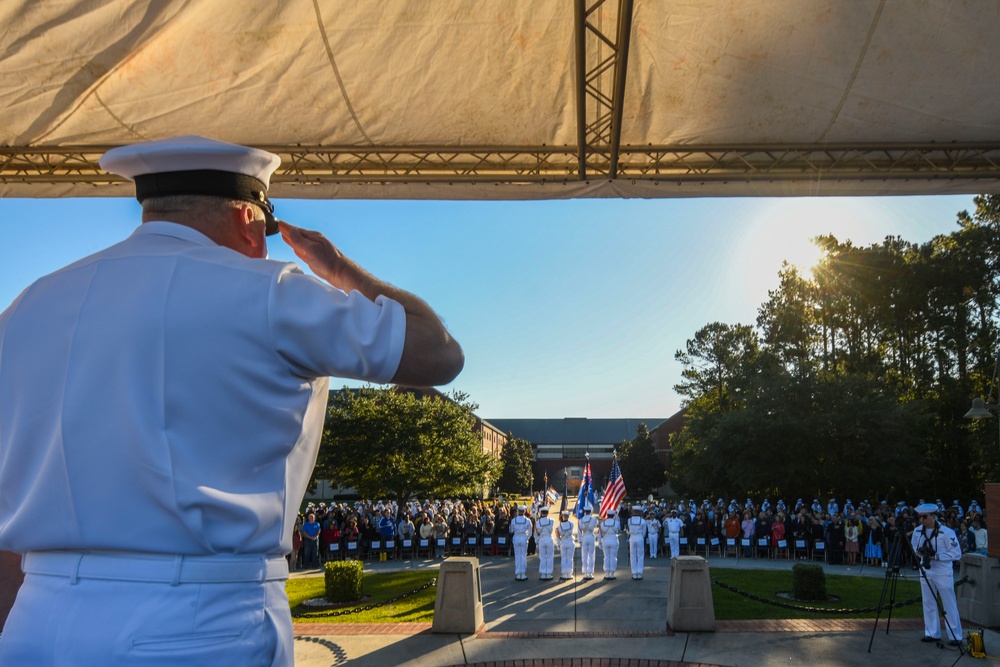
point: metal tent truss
(602, 42)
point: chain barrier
(822, 610)
(344, 612)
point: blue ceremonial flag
(586, 497)
(551, 495)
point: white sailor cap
(927, 508)
(544, 510)
(193, 165)
(611, 512)
(521, 508)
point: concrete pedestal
(458, 607)
(979, 603)
(689, 600)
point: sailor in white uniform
(179, 379)
(567, 546)
(674, 526)
(653, 534)
(520, 529)
(586, 526)
(609, 544)
(937, 548)
(636, 528)
(546, 548)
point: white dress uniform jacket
(206, 421)
(166, 396)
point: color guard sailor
(636, 529)
(567, 547)
(609, 544)
(546, 548)
(520, 528)
(586, 526)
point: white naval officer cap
(193, 165)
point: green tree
(640, 466)
(396, 444)
(516, 461)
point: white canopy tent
(513, 99)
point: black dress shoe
(954, 642)
(928, 640)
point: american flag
(615, 492)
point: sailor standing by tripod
(937, 548)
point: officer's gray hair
(204, 206)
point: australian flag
(586, 497)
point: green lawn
(380, 587)
(854, 593)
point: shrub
(343, 580)
(808, 582)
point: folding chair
(333, 551)
(819, 550)
(406, 549)
(455, 546)
(801, 549)
(701, 546)
(390, 549)
(684, 548)
(713, 545)
(374, 550)
(781, 549)
(424, 548)
(763, 546)
(745, 544)
(730, 547)
(351, 550)
(503, 545)
(488, 546)
(472, 545)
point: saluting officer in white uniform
(653, 534)
(674, 526)
(586, 526)
(609, 544)
(180, 379)
(520, 529)
(937, 547)
(636, 528)
(567, 547)
(546, 548)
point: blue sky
(564, 308)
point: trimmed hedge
(808, 582)
(343, 580)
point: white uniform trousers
(653, 539)
(520, 542)
(609, 545)
(567, 550)
(142, 610)
(943, 584)
(675, 544)
(588, 553)
(546, 556)
(636, 552)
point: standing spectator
(851, 541)
(329, 537)
(310, 542)
(835, 539)
(966, 538)
(981, 536)
(873, 543)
